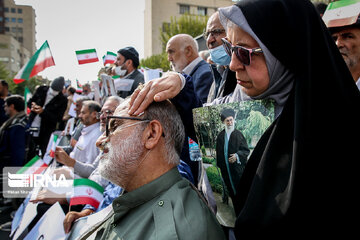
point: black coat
(52, 114)
(302, 176)
(237, 144)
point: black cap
(130, 53)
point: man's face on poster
(229, 122)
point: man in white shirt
(85, 150)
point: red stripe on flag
(84, 200)
(48, 62)
(88, 60)
(17, 81)
(40, 169)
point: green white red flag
(86, 56)
(38, 62)
(341, 13)
(27, 96)
(78, 87)
(87, 191)
(34, 166)
(54, 143)
(109, 58)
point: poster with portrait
(227, 135)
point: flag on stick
(87, 191)
(27, 96)
(34, 166)
(53, 146)
(341, 13)
(109, 58)
(78, 87)
(87, 56)
(37, 63)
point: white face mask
(119, 71)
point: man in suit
(47, 105)
(183, 55)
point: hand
(72, 142)
(72, 216)
(232, 158)
(62, 157)
(36, 108)
(156, 90)
(66, 172)
(49, 197)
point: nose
(235, 64)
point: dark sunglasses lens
(227, 47)
(243, 55)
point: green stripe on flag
(111, 53)
(27, 165)
(85, 51)
(30, 65)
(88, 182)
(338, 4)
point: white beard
(229, 129)
(119, 164)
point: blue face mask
(219, 56)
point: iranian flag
(34, 166)
(37, 63)
(86, 191)
(54, 143)
(27, 96)
(78, 87)
(109, 58)
(341, 13)
(87, 56)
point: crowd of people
(300, 178)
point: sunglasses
(242, 53)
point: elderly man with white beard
(140, 155)
(231, 152)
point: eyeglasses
(242, 53)
(215, 33)
(106, 112)
(111, 127)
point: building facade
(17, 35)
(158, 12)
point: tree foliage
(156, 61)
(194, 25)
(17, 88)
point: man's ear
(152, 134)
(188, 51)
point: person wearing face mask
(224, 79)
(126, 65)
(47, 105)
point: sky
(71, 25)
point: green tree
(193, 25)
(156, 61)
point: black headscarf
(302, 176)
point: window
(13, 20)
(13, 10)
(7, 19)
(19, 10)
(7, 29)
(1, 19)
(202, 11)
(13, 29)
(6, 9)
(184, 9)
(20, 20)
(20, 30)
(20, 39)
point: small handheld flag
(86, 56)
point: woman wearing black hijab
(301, 176)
